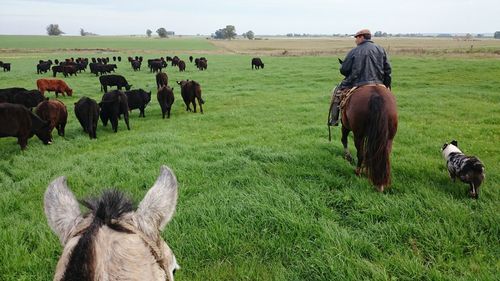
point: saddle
(344, 94)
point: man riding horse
(366, 64)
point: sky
(263, 17)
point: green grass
(45, 43)
(263, 194)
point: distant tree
(53, 30)
(162, 32)
(85, 33)
(149, 32)
(229, 32)
(250, 35)
(497, 35)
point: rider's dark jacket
(366, 64)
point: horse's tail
(376, 156)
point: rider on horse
(366, 64)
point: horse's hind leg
(347, 154)
(358, 142)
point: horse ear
(454, 142)
(61, 209)
(158, 206)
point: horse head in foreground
(371, 114)
(112, 241)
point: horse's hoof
(357, 171)
(380, 188)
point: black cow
(182, 65)
(161, 80)
(119, 59)
(114, 58)
(69, 70)
(17, 121)
(257, 62)
(175, 60)
(165, 98)
(202, 64)
(113, 80)
(138, 99)
(87, 112)
(28, 98)
(57, 68)
(191, 59)
(136, 65)
(114, 104)
(190, 91)
(5, 66)
(43, 66)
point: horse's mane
(111, 205)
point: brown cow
(191, 91)
(18, 121)
(56, 85)
(55, 112)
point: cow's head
(69, 92)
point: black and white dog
(468, 168)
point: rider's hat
(362, 32)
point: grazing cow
(156, 65)
(113, 80)
(69, 70)
(119, 59)
(191, 59)
(43, 66)
(17, 121)
(54, 112)
(87, 112)
(161, 80)
(113, 241)
(54, 85)
(56, 62)
(138, 99)
(101, 68)
(56, 69)
(182, 65)
(114, 104)
(93, 60)
(136, 65)
(28, 98)
(114, 58)
(5, 66)
(168, 58)
(165, 98)
(257, 62)
(190, 91)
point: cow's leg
(142, 112)
(22, 141)
(194, 105)
(62, 127)
(347, 154)
(125, 116)
(200, 103)
(114, 122)
(168, 113)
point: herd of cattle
(18, 119)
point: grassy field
(263, 194)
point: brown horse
(112, 241)
(371, 114)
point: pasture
(263, 195)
